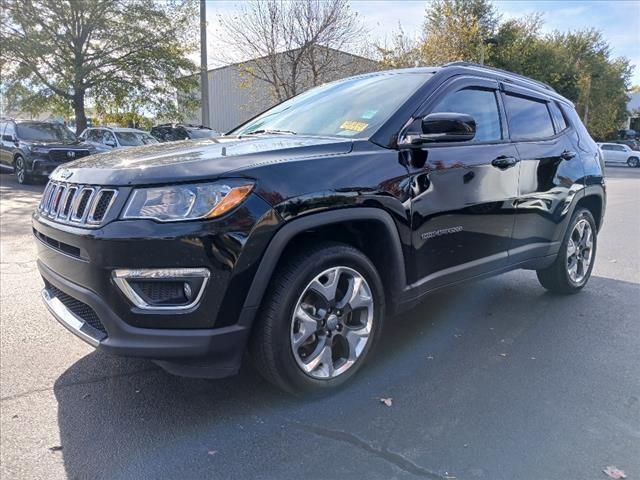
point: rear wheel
(572, 268)
(633, 162)
(20, 169)
(320, 318)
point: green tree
(69, 52)
(457, 29)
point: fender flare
(289, 230)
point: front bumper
(218, 351)
(208, 340)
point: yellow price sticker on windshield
(354, 126)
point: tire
(633, 162)
(20, 169)
(568, 274)
(294, 285)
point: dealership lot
(495, 380)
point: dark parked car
(300, 232)
(170, 132)
(34, 149)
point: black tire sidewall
(633, 162)
(582, 213)
(307, 271)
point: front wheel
(572, 268)
(633, 162)
(20, 169)
(320, 318)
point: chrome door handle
(503, 162)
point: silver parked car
(619, 153)
(109, 138)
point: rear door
(462, 215)
(551, 173)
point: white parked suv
(620, 153)
(108, 138)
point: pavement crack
(394, 458)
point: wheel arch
(348, 225)
(594, 202)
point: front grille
(66, 155)
(77, 204)
(78, 308)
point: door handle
(503, 162)
(568, 154)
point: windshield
(45, 132)
(132, 139)
(354, 108)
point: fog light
(162, 288)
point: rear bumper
(214, 352)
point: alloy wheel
(20, 170)
(332, 321)
(580, 251)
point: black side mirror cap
(443, 127)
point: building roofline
(235, 64)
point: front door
(463, 214)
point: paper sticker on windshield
(354, 126)
(368, 114)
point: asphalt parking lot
(490, 380)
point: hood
(193, 160)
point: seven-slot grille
(79, 204)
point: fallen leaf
(457, 335)
(430, 357)
(533, 358)
(387, 401)
(613, 472)
(15, 416)
(86, 395)
(212, 452)
(614, 261)
(55, 448)
(502, 354)
(137, 391)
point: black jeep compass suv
(34, 149)
(298, 233)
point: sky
(618, 20)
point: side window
(620, 148)
(529, 119)
(606, 147)
(558, 117)
(108, 137)
(481, 105)
(10, 130)
(2, 125)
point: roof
(117, 129)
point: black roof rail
(501, 72)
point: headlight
(39, 150)
(186, 202)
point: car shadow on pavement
(126, 418)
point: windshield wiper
(269, 131)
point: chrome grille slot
(57, 196)
(77, 204)
(101, 205)
(68, 201)
(80, 206)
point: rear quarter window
(529, 119)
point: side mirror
(444, 127)
(110, 143)
(9, 138)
